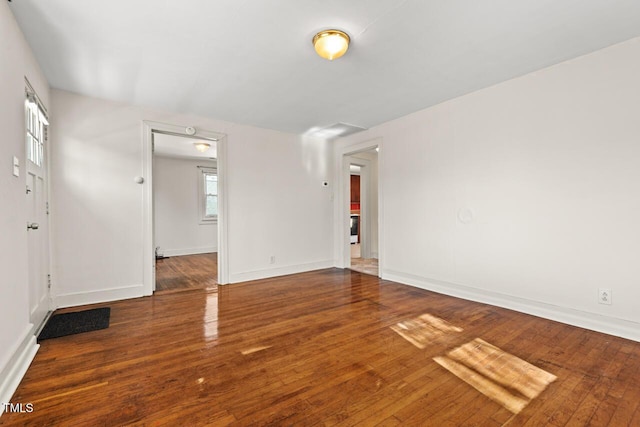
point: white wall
(16, 62)
(178, 228)
(277, 205)
(548, 166)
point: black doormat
(60, 325)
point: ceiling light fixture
(331, 44)
(201, 146)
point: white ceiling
(182, 147)
(252, 62)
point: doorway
(185, 193)
(185, 230)
(363, 211)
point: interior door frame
(345, 202)
(149, 128)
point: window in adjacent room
(208, 190)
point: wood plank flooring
(362, 265)
(365, 265)
(328, 348)
(178, 273)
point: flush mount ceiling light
(201, 146)
(331, 44)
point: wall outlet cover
(604, 296)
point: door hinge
(49, 281)
(28, 190)
(47, 207)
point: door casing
(149, 127)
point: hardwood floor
(362, 265)
(365, 265)
(187, 272)
(333, 348)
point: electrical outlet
(272, 259)
(604, 296)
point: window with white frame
(208, 191)
(36, 130)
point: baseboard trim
(17, 364)
(595, 322)
(94, 297)
(279, 271)
(189, 251)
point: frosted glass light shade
(331, 44)
(202, 146)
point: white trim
(189, 251)
(14, 369)
(605, 324)
(148, 250)
(345, 213)
(223, 212)
(279, 271)
(147, 169)
(101, 295)
(44, 301)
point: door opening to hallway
(185, 195)
(363, 211)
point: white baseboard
(14, 368)
(278, 271)
(94, 297)
(595, 322)
(189, 251)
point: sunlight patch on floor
(502, 377)
(424, 329)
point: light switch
(16, 166)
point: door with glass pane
(37, 210)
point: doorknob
(32, 226)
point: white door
(37, 211)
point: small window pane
(211, 184)
(35, 132)
(29, 147)
(210, 195)
(212, 205)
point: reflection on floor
(363, 265)
(178, 273)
